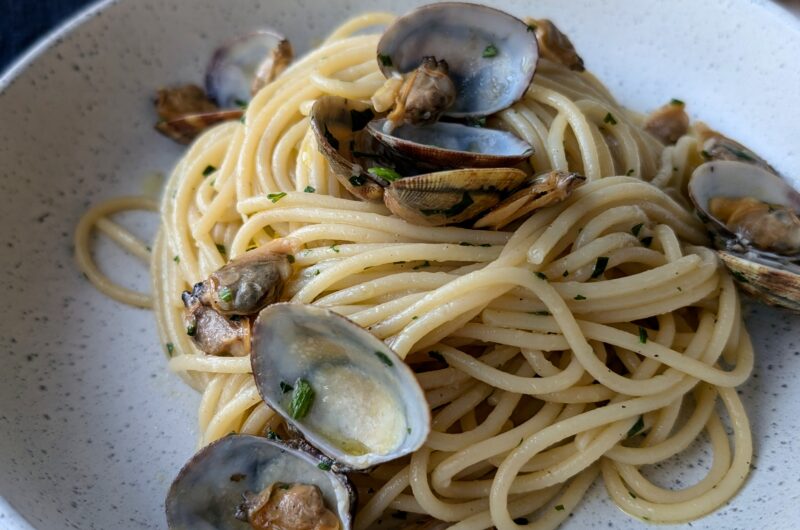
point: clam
(240, 67)
(554, 45)
(243, 479)
(217, 309)
(411, 182)
(538, 192)
(342, 388)
(450, 197)
(753, 216)
(453, 145)
(668, 123)
(714, 145)
(338, 126)
(490, 55)
(185, 111)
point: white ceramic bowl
(93, 428)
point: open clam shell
(338, 124)
(453, 145)
(240, 67)
(341, 387)
(761, 250)
(450, 197)
(209, 490)
(491, 55)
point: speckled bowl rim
(790, 16)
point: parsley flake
(490, 51)
(642, 335)
(384, 358)
(209, 170)
(610, 119)
(310, 189)
(579, 297)
(636, 428)
(540, 275)
(302, 399)
(275, 197)
(386, 173)
(600, 266)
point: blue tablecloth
(22, 22)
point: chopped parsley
(275, 197)
(490, 51)
(610, 119)
(242, 104)
(635, 230)
(302, 399)
(225, 294)
(629, 173)
(272, 435)
(542, 313)
(386, 173)
(221, 248)
(678, 102)
(384, 358)
(286, 387)
(600, 266)
(176, 259)
(333, 248)
(477, 122)
(325, 465)
(386, 60)
(310, 189)
(580, 297)
(357, 180)
(565, 273)
(705, 154)
(209, 170)
(540, 275)
(559, 507)
(191, 329)
(531, 29)
(290, 258)
(642, 335)
(637, 427)
(170, 348)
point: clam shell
(491, 55)
(728, 178)
(367, 407)
(211, 485)
(243, 65)
(453, 145)
(332, 120)
(450, 197)
(186, 128)
(773, 284)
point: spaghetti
(593, 340)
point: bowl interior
(94, 427)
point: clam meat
(669, 122)
(340, 387)
(554, 45)
(217, 309)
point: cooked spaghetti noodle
(592, 340)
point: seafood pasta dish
(431, 274)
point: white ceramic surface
(92, 428)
